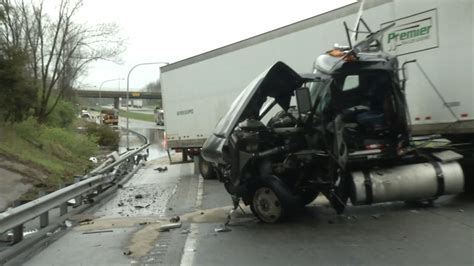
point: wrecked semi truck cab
(341, 132)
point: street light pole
(128, 90)
(100, 89)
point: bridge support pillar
(117, 103)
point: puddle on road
(155, 137)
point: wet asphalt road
(383, 234)
(154, 133)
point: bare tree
(59, 48)
(154, 86)
(17, 91)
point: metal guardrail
(94, 182)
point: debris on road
(139, 196)
(127, 253)
(461, 210)
(67, 223)
(352, 217)
(174, 219)
(185, 231)
(222, 229)
(97, 232)
(161, 169)
(167, 227)
(376, 216)
(86, 222)
(141, 207)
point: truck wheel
(206, 169)
(271, 201)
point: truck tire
(272, 202)
(206, 169)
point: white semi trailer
(438, 34)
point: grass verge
(58, 153)
(137, 116)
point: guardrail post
(44, 217)
(62, 206)
(18, 230)
(78, 199)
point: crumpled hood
(279, 82)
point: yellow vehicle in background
(109, 117)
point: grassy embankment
(57, 154)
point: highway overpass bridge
(116, 95)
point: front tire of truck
(272, 202)
(206, 169)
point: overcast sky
(171, 30)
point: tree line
(42, 55)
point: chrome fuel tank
(406, 183)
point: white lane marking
(200, 192)
(190, 246)
(191, 240)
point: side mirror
(303, 100)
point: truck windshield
(317, 89)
